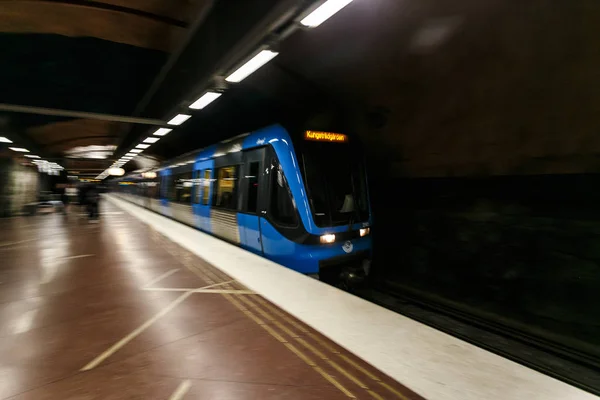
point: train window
(152, 189)
(225, 193)
(281, 206)
(206, 187)
(183, 188)
(252, 177)
(197, 186)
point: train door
(203, 175)
(252, 199)
(281, 226)
(164, 193)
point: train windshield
(336, 184)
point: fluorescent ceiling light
(136, 151)
(130, 154)
(178, 119)
(142, 146)
(162, 131)
(151, 139)
(324, 12)
(31, 156)
(19, 149)
(205, 100)
(5, 140)
(255, 63)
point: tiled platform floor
(114, 310)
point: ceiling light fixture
(19, 149)
(162, 131)
(136, 151)
(142, 146)
(31, 156)
(324, 12)
(151, 139)
(179, 119)
(252, 65)
(205, 100)
(5, 140)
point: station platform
(138, 306)
(115, 310)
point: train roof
(191, 156)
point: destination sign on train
(325, 136)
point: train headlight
(328, 238)
(364, 231)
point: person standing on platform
(65, 200)
(92, 200)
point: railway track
(560, 362)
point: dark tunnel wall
(464, 88)
(487, 198)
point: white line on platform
(13, 243)
(233, 291)
(117, 346)
(186, 289)
(181, 390)
(79, 256)
(161, 277)
(217, 291)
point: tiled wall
(18, 186)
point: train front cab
(280, 214)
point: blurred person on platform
(92, 197)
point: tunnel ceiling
(435, 88)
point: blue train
(302, 203)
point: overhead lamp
(162, 131)
(179, 119)
(324, 12)
(205, 100)
(149, 175)
(19, 149)
(31, 156)
(142, 146)
(151, 139)
(136, 151)
(252, 65)
(116, 171)
(130, 154)
(5, 140)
